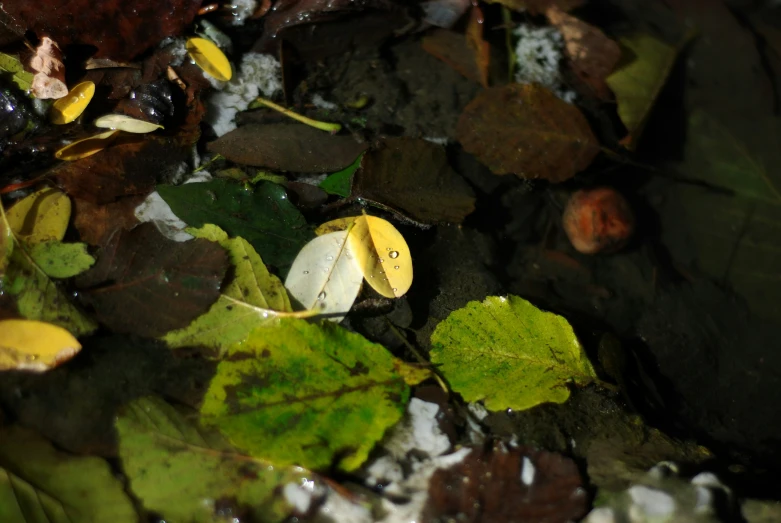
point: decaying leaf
(61, 260)
(40, 483)
(459, 52)
(592, 55)
(34, 345)
(479, 46)
(326, 395)
(527, 130)
(148, 285)
(49, 79)
(174, 465)
(12, 66)
(96, 223)
(638, 80)
(287, 147)
(414, 177)
(509, 354)
(504, 485)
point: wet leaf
(40, 216)
(210, 58)
(543, 486)
(96, 223)
(326, 276)
(106, 25)
(11, 65)
(480, 48)
(34, 345)
(414, 177)
(147, 285)
(380, 250)
(287, 147)
(86, 147)
(40, 483)
(527, 130)
(536, 7)
(593, 55)
(312, 395)
(509, 354)
(638, 80)
(184, 471)
(236, 312)
(262, 215)
(125, 123)
(455, 50)
(6, 242)
(49, 79)
(68, 108)
(340, 182)
(61, 260)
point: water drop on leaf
(394, 254)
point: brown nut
(598, 220)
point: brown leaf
(147, 285)
(97, 223)
(593, 55)
(480, 48)
(287, 147)
(413, 176)
(537, 7)
(525, 129)
(456, 51)
(49, 79)
(118, 29)
(501, 485)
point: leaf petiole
(330, 127)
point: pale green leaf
(11, 65)
(312, 395)
(509, 354)
(61, 260)
(182, 471)
(39, 484)
(6, 243)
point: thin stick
(332, 128)
(418, 355)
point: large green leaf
(183, 471)
(39, 484)
(311, 395)
(263, 216)
(238, 309)
(509, 354)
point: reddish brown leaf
(593, 55)
(118, 29)
(287, 147)
(456, 51)
(147, 285)
(537, 7)
(480, 48)
(96, 223)
(525, 129)
(413, 176)
(519, 485)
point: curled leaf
(210, 58)
(34, 345)
(86, 146)
(41, 216)
(70, 107)
(125, 123)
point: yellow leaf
(41, 216)
(70, 107)
(34, 345)
(209, 58)
(86, 146)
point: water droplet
(395, 289)
(329, 257)
(265, 314)
(394, 254)
(306, 272)
(321, 296)
(396, 267)
(388, 248)
(382, 261)
(325, 270)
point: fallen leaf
(480, 47)
(509, 354)
(61, 260)
(380, 250)
(287, 147)
(40, 483)
(34, 345)
(304, 394)
(40, 216)
(96, 223)
(543, 486)
(326, 276)
(537, 7)
(414, 177)
(174, 465)
(263, 215)
(6, 242)
(11, 65)
(147, 285)
(456, 51)
(638, 79)
(340, 182)
(125, 123)
(68, 108)
(49, 79)
(210, 58)
(86, 147)
(527, 130)
(593, 56)
(251, 293)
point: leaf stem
(332, 128)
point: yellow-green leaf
(61, 260)
(638, 79)
(125, 123)
(34, 345)
(41, 216)
(11, 65)
(208, 56)
(6, 242)
(86, 146)
(509, 354)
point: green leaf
(39, 298)
(61, 260)
(39, 484)
(263, 216)
(312, 395)
(340, 182)
(6, 243)
(11, 65)
(180, 470)
(639, 78)
(236, 312)
(509, 354)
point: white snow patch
(538, 55)
(321, 103)
(297, 497)
(439, 140)
(419, 432)
(527, 471)
(650, 501)
(241, 10)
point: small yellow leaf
(209, 58)
(125, 123)
(70, 107)
(339, 224)
(86, 146)
(41, 216)
(34, 345)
